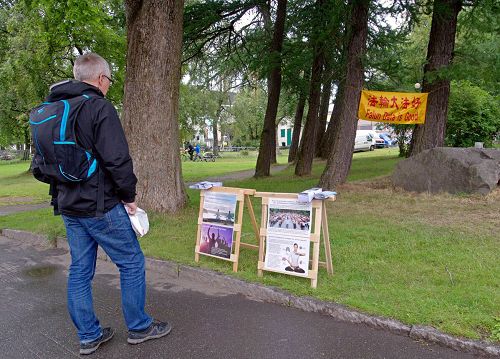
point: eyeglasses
(110, 80)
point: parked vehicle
(372, 134)
(388, 141)
(363, 143)
(6, 156)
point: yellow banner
(393, 107)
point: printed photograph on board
(219, 208)
(216, 240)
(289, 216)
(287, 255)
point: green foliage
(477, 50)
(197, 107)
(38, 43)
(473, 116)
(248, 110)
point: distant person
(190, 150)
(95, 211)
(197, 150)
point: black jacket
(98, 128)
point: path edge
(260, 292)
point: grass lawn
(229, 162)
(19, 186)
(418, 258)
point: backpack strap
(100, 193)
(100, 180)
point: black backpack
(58, 156)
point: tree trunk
(297, 125)
(268, 137)
(307, 148)
(323, 113)
(274, 146)
(215, 127)
(340, 159)
(151, 100)
(328, 142)
(439, 57)
(27, 144)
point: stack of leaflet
(314, 193)
(205, 185)
(308, 195)
(324, 194)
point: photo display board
(219, 223)
(288, 236)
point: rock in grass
(450, 169)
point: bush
(473, 116)
(244, 153)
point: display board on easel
(220, 221)
(288, 229)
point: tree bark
(27, 144)
(297, 125)
(439, 57)
(307, 148)
(323, 113)
(151, 100)
(215, 126)
(340, 159)
(268, 137)
(274, 146)
(328, 141)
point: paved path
(208, 323)
(5, 210)
(240, 175)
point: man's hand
(131, 207)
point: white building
(284, 133)
(285, 130)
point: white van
(364, 141)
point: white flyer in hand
(140, 222)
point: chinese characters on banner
(393, 107)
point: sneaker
(89, 348)
(156, 330)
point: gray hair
(90, 66)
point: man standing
(95, 211)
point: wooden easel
(320, 226)
(242, 198)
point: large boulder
(449, 169)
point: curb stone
(263, 293)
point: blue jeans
(114, 234)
